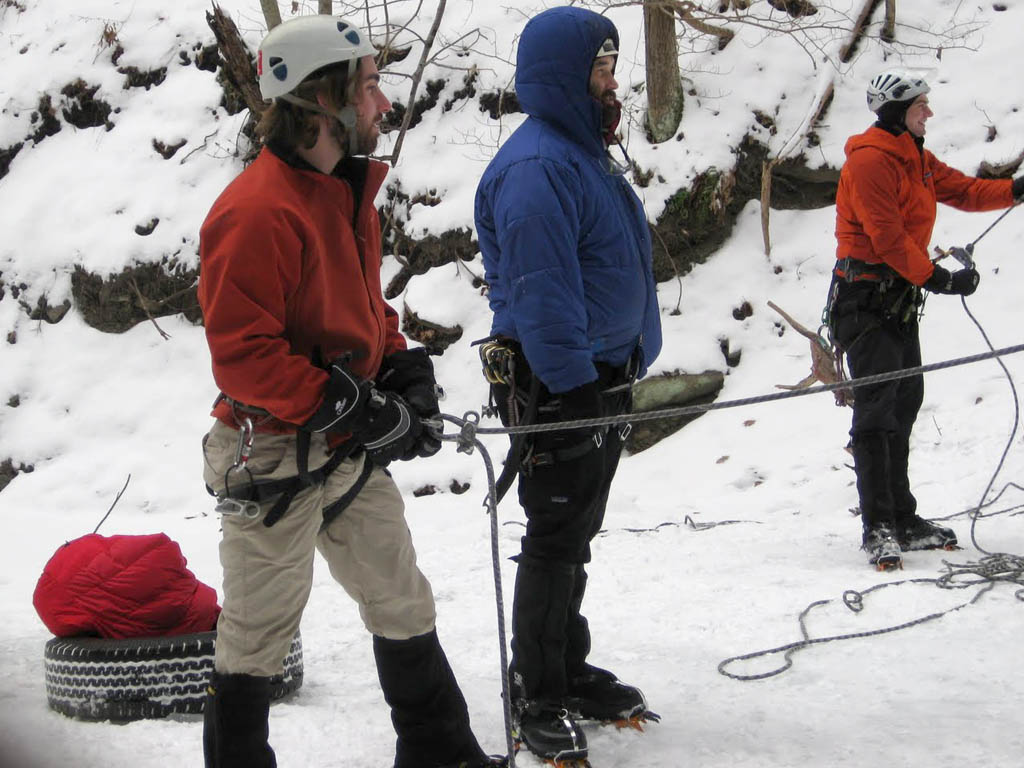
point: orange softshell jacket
(885, 205)
(286, 276)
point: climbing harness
(243, 497)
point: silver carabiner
(247, 509)
(245, 440)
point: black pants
(564, 500)
(878, 339)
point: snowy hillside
(672, 593)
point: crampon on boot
(918, 533)
(597, 694)
(882, 548)
(550, 732)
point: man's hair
(290, 125)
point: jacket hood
(553, 65)
(903, 147)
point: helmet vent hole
(352, 37)
(274, 61)
(281, 72)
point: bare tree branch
(424, 57)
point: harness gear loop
(245, 500)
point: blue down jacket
(565, 241)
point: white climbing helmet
(295, 49)
(894, 85)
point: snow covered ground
(667, 601)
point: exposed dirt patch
(8, 471)
(743, 311)
(498, 103)
(45, 312)
(137, 78)
(392, 121)
(795, 8)
(436, 338)
(418, 256)
(167, 151)
(467, 91)
(117, 303)
(7, 155)
(81, 107)
(143, 230)
(698, 219)
(45, 118)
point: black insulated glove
(343, 402)
(409, 373)
(1018, 189)
(389, 429)
(963, 282)
(583, 402)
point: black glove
(410, 374)
(1018, 188)
(583, 402)
(389, 429)
(963, 282)
(344, 400)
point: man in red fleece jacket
(290, 258)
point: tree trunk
(271, 13)
(889, 30)
(236, 60)
(326, 7)
(664, 88)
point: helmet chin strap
(346, 116)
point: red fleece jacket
(288, 268)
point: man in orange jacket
(885, 211)
(319, 393)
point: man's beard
(610, 109)
(366, 138)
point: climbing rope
(467, 440)
(992, 569)
(689, 410)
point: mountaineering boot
(235, 722)
(427, 707)
(597, 694)
(918, 533)
(548, 731)
(882, 548)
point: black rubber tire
(144, 677)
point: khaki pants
(268, 572)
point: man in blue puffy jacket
(567, 256)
